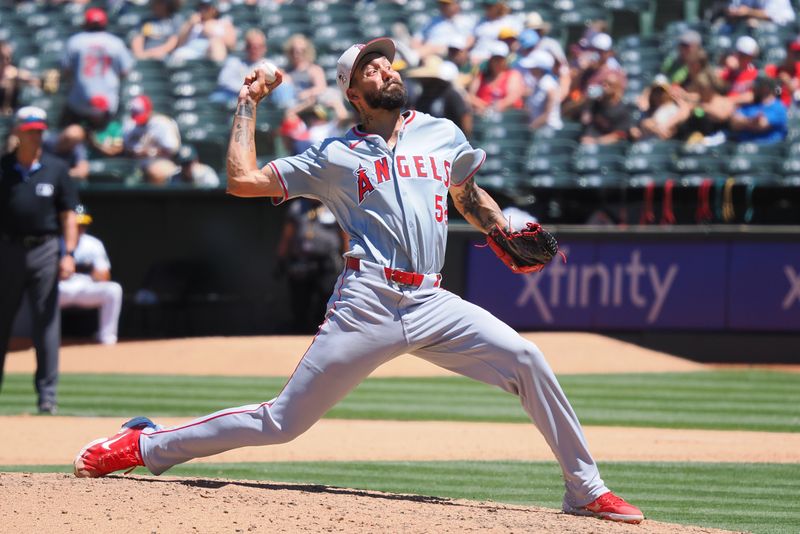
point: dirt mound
(62, 503)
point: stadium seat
(696, 164)
(600, 163)
(648, 162)
(113, 171)
(552, 147)
(541, 164)
(752, 163)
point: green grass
(729, 400)
(761, 498)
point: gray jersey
(392, 203)
(96, 61)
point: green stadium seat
(552, 147)
(654, 162)
(113, 171)
(600, 163)
(752, 163)
(696, 164)
(544, 164)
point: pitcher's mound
(62, 503)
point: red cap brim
(34, 125)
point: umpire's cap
(82, 215)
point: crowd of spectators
(461, 64)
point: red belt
(393, 275)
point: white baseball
(268, 69)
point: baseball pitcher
(387, 182)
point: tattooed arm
(245, 179)
(477, 207)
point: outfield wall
(211, 259)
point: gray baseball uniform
(393, 204)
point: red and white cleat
(106, 455)
(609, 506)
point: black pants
(32, 271)
(310, 288)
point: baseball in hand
(269, 70)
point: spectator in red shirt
(787, 73)
(739, 72)
(497, 87)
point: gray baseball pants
(369, 322)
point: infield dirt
(61, 503)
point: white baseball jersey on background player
(393, 203)
(82, 291)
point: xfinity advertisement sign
(644, 286)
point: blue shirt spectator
(763, 121)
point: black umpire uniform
(32, 204)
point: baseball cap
(498, 49)
(99, 103)
(95, 16)
(747, 45)
(186, 154)
(538, 59)
(31, 118)
(534, 21)
(601, 42)
(507, 32)
(529, 38)
(690, 37)
(141, 108)
(349, 60)
(82, 215)
(457, 40)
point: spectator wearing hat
(434, 37)
(153, 139)
(11, 79)
(661, 116)
(69, 147)
(544, 100)
(764, 120)
(753, 12)
(496, 17)
(205, 35)
(37, 206)
(438, 96)
(675, 66)
(458, 55)
(235, 68)
(526, 42)
(546, 43)
(90, 286)
(787, 73)
(739, 72)
(191, 171)
(103, 130)
(158, 36)
(95, 60)
(606, 118)
(497, 86)
(594, 62)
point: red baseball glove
(524, 251)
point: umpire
(37, 205)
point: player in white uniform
(91, 285)
(386, 182)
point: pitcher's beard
(388, 97)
